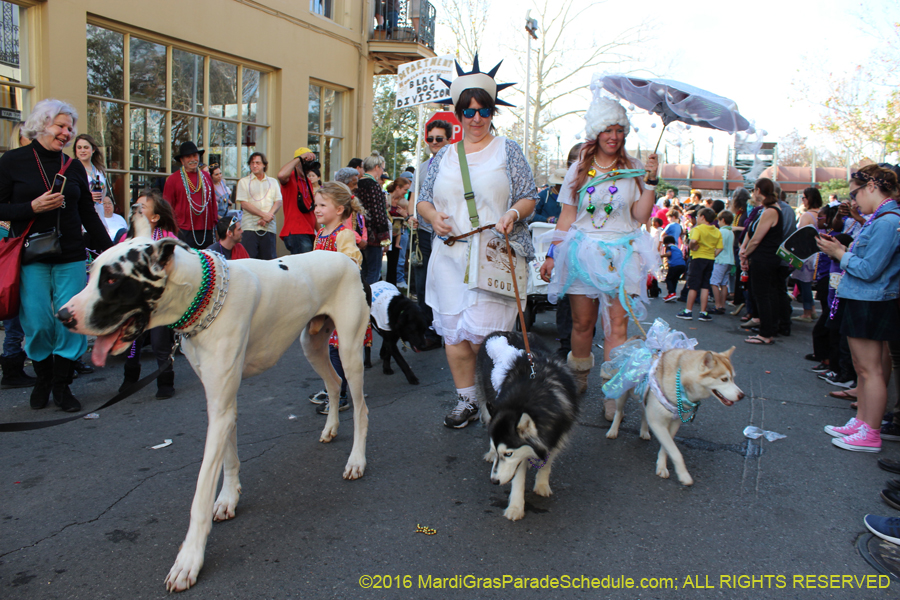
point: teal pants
(45, 289)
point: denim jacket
(872, 270)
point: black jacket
(21, 182)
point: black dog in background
(395, 317)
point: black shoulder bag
(39, 246)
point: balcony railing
(9, 36)
(404, 21)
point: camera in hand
(310, 165)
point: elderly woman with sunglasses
(869, 290)
(505, 194)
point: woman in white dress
(505, 194)
(600, 254)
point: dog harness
(209, 291)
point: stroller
(537, 287)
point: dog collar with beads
(681, 400)
(677, 410)
(208, 289)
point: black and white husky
(529, 417)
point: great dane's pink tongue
(102, 346)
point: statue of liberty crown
(475, 79)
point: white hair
(345, 175)
(372, 161)
(44, 113)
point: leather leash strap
(512, 272)
(31, 425)
(452, 240)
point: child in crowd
(675, 261)
(724, 262)
(335, 205)
(688, 221)
(705, 245)
(656, 231)
(841, 372)
(162, 220)
(674, 226)
(821, 280)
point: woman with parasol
(600, 257)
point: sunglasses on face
(854, 192)
(437, 138)
(469, 113)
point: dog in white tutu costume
(601, 256)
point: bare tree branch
(561, 64)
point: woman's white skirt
(461, 313)
(607, 267)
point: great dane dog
(238, 319)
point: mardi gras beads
(608, 207)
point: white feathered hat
(603, 112)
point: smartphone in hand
(59, 183)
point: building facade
(233, 76)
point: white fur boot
(581, 367)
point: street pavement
(88, 510)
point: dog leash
(452, 240)
(512, 272)
(133, 388)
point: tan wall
(280, 34)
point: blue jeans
(45, 289)
(372, 263)
(299, 243)
(422, 276)
(401, 263)
(12, 343)
(335, 357)
(391, 20)
(806, 295)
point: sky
(754, 53)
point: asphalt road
(87, 510)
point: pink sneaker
(851, 427)
(865, 439)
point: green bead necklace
(201, 299)
(681, 400)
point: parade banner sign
(420, 82)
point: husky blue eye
(507, 454)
